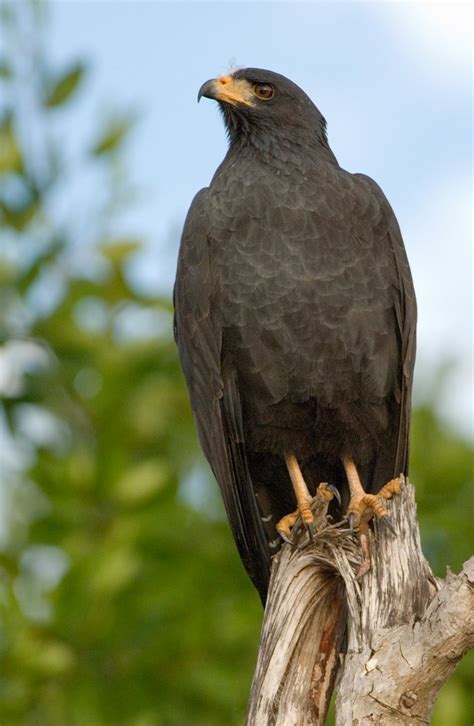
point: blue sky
(392, 79)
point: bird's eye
(263, 90)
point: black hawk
(295, 321)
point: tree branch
(405, 631)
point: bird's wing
(405, 314)
(214, 393)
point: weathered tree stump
(390, 638)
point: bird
(295, 322)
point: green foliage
(112, 135)
(442, 471)
(5, 71)
(11, 159)
(62, 88)
(122, 599)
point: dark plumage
(295, 314)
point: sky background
(394, 81)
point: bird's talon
(372, 502)
(323, 492)
(351, 518)
(335, 491)
(388, 522)
(391, 488)
(286, 537)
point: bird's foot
(324, 494)
(394, 486)
(286, 524)
(328, 492)
(362, 508)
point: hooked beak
(228, 89)
(207, 90)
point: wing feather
(406, 317)
(214, 393)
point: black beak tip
(206, 90)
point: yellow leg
(325, 492)
(303, 501)
(362, 507)
(303, 497)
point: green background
(122, 599)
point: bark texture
(392, 638)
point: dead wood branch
(401, 630)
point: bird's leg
(362, 507)
(304, 500)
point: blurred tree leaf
(141, 482)
(113, 135)
(117, 252)
(30, 273)
(62, 88)
(18, 217)
(11, 157)
(5, 70)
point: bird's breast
(302, 299)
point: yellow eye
(263, 91)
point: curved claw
(386, 520)
(335, 491)
(351, 518)
(285, 537)
(311, 531)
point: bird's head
(265, 107)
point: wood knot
(408, 699)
